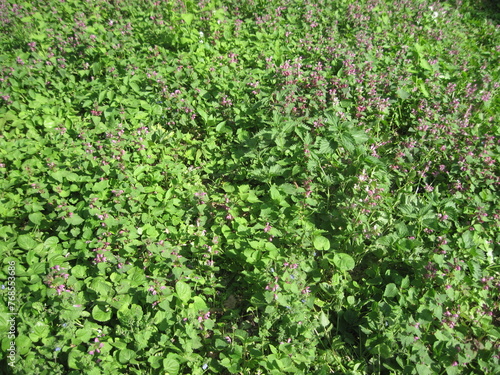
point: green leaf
(170, 365)
(36, 218)
(275, 194)
(23, 344)
(74, 219)
(360, 137)
(467, 239)
(391, 290)
(39, 331)
(323, 319)
(347, 141)
(155, 361)
(199, 304)
(402, 94)
(74, 357)
(125, 355)
(101, 313)
(321, 243)
(51, 243)
(135, 87)
(50, 122)
(325, 147)
(423, 370)
(79, 271)
(187, 17)
(101, 185)
(25, 242)
(140, 115)
(402, 230)
(425, 65)
(343, 261)
(423, 89)
(101, 286)
(183, 291)
(288, 188)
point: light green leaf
(101, 313)
(188, 18)
(343, 261)
(425, 65)
(391, 290)
(25, 242)
(321, 243)
(347, 141)
(275, 194)
(402, 94)
(125, 355)
(170, 365)
(36, 218)
(101, 286)
(155, 361)
(74, 219)
(135, 87)
(183, 291)
(423, 370)
(323, 319)
(50, 122)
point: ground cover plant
(249, 187)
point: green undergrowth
(249, 187)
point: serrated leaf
(360, 137)
(51, 243)
(347, 141)
(74, 359)
(467, 240)
(387, 240)
(425, 65)
(402, 230)
(325, 147)
(23, 344)
(58, 175)
(407, 210)
(423, 89)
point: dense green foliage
(249, 187)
